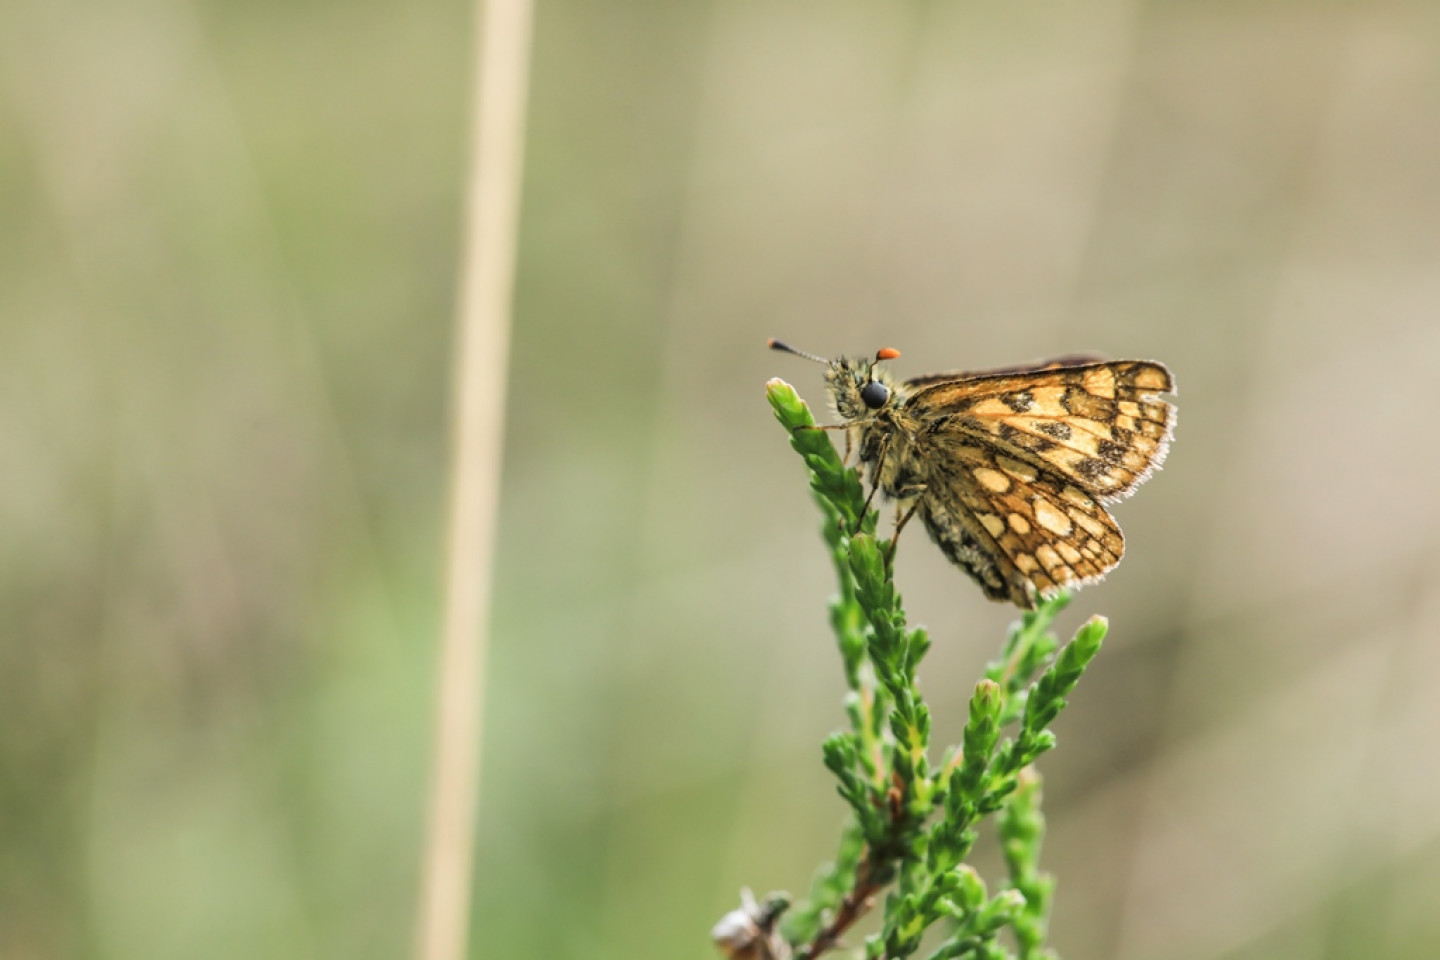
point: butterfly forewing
(1098, 426)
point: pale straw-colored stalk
(487, 280)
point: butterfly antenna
(783, 347)
(888, 353)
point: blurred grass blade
(487, 282)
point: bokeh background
(228, 238)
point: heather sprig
(913, 822)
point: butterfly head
(859, 387)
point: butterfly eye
(874, 394)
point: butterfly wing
(1019, 531)
(1097, 426)
(1020, 461)
(1054, 363)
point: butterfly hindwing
(955, 532)
(1018, 530)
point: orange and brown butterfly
(1009, 469)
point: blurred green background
(228, 237)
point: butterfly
(1009, 469)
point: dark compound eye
(875, 394)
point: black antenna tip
(784, 347)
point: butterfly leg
(823, 426)
(900, 525)
(874, 483)
(865, 510)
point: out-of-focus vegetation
(227, 245)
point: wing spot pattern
(1088, 523)
(992, 480)
(1020, 471)
(1053, 428)
(1020, 401)
(1048, 558)
(1112, 451)
(1100, 381)
(992, 523)
(1052, 519)
(1148, 377)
